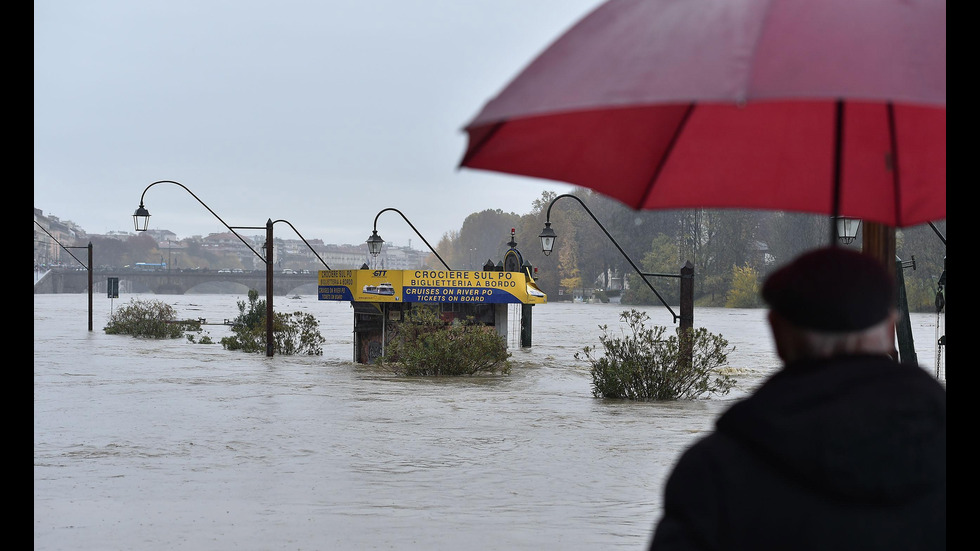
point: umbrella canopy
(824, 106)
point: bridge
(171, 282)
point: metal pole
(269, 317)
(687, 313)
(89, 285)
(939, 233)
(526, 325)
(838, 164)
(687, 296)
(903, 326)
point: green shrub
(425, 345)
(296, 333)
(205, 339)
(643, 365)
(152, 319)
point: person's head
(831, 302)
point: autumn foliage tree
(744, 291)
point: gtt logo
(380, 273)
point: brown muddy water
(161, 445)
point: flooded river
(162, 445)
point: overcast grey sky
(318, 112)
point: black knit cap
(833, 290)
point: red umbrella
(823, 106)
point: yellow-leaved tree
(744, 292)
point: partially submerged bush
(643, 365)
(296, 333)
(205, 339)
(425, 345)
(152, 319)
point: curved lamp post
(374, 242)
(87, 267)
(548, 238)
(141, 219)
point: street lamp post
(141, 219)
(548, 238)
(88, 267)
(375, 243)
(686, 317)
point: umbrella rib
(838, 166)
(893, 162)
(663, 158)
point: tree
(924, 245)
(744, 291)
(790, 234)
(643, 365)
(662, 258)
(484, 235)
(296, 333)
(448, 248)
(568, 266)
(718, 239)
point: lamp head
(141, 218)
(547, 237)
(847, 229)
(375, 243)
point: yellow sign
(429, 286)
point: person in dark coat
(843, 448)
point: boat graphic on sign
(379, 289)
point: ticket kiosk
(382, 298)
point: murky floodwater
(161, 445)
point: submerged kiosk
(381, 298)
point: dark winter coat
(830, 455)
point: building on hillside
(162, 236)
(228, 244)
(49, 231)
